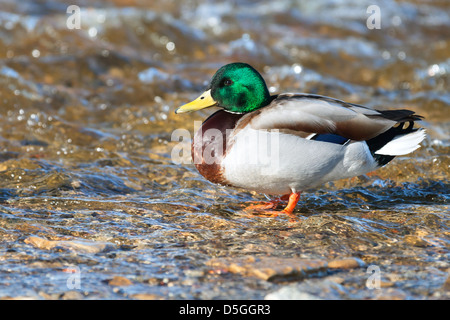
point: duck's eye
(227, 82)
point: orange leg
(293, 200)
(266, 207)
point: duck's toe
(262, 206)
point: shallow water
(88, 184)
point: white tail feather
(403, 144)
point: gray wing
(319, 114)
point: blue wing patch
(331, 138)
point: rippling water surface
(92, 206)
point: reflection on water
(85, 135)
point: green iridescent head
(236, 87)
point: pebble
(271, 268)
(310, 289)
(79, 245)
(194, 273)
(446, 286)
(146, 296)
(386, 284)
(282, 269)
(348, 263)
(119, 281)
(72, 295)
(416, 241)
(390, 294)
(19, 298)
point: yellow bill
(204, 101)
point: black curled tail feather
(400, 115)
(381, 140)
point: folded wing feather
(318, 114)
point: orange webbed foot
(261, 206)
(267, 209)
(266, 206)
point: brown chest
(209, 145)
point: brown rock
(72, 295)
(19, 298)
(119, 281)
(40, 243)
(390, 294)
(386, 284)
(446, 286)
(146, 296)
(270, 268)
(81, 246)
(348, 263)
(415, 241)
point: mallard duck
(283, 144)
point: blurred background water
(88, 183)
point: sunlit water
(86, 124)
